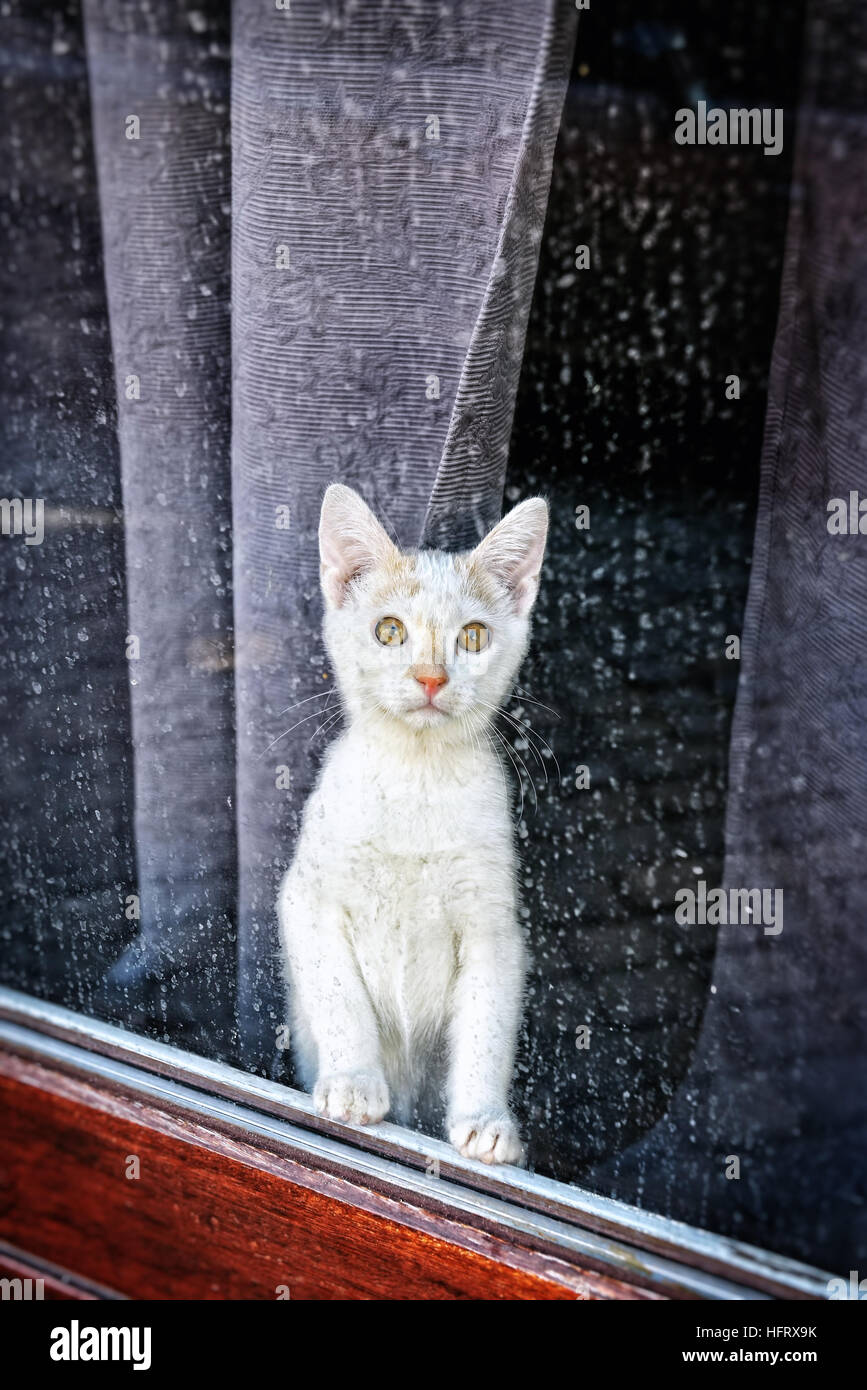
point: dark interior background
(622, 408)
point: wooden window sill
(242, 1194)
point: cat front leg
(485, 1018)
(329, 994)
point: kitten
(398, 917)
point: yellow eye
(390, 632)
(474, 637)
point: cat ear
(351, 541)
(513, 551)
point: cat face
(428, 639)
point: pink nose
(431, 684)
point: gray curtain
(389, 175)
(158, 81)
(779, 1078)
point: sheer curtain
(384, 202)
(778, 1076)
(158, 77)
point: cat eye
(474, 637)
(390, 632)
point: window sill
(244, 1191)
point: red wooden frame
(214, 1217)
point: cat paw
(488, 1138)
(354, 1097)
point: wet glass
(640, 415)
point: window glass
(662, 1060)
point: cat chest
(404, 816)
(382, 890)
(399, 920)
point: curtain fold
(158, 77)
(778, 1076)
(468, 489)
(65, 792)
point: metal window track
(638, 1246)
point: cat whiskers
(320, 694)
(503, 772)
(475, 743)
(529, 733)
(316, 714)
(513, 753)
(524, 731)
(531, 700)
(465, 723)
(529, 730)
(327, 724)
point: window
(204, 323)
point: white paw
(353, 1097)
(492, 1138)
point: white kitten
(398, 917)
